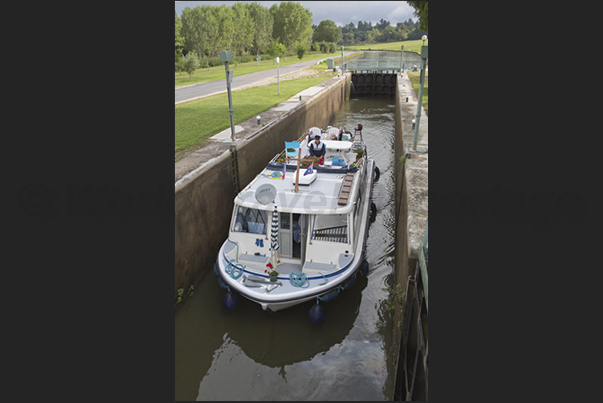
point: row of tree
(365, 32)
(252, 29)
(244, 28)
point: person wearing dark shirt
(317, 148)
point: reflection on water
(250, 354)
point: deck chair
(292, 144)
(314, 131)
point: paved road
(213, 87)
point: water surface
(250, 354)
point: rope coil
(298, 280)
(234, 270)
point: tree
(191, 30)
(381, 25)
(348, 29)
(275, 49)
(421, 11)
(226, 27)
(243, 29)
(262, 27)
(327, 31)
(179, 38)
(372, 35)
(200, 30)
(180, 61)
(402, 32)
(301, 50)
(348, 38)
(292, 23)
(388, 35)
(191, 62)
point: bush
(331, 47)
(191, 63)
(214, 61)
(301, 49)
(180, 64)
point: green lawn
(415, 79)
(409, 46)
(219, 72)
(200, 119)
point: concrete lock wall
(203, 204)
(403, 263)
(411, 216)
(202, 207)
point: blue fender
(230, 301)
(317, 314)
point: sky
(340, 12)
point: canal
(250, 354)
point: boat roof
(320, 197)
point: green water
(250, 354)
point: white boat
(313, 232)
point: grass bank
(415, 79)
(409, 46)
(219, 72)
(198, 120)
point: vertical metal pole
(420, 100)
(342, 60)
(297, 172)
(278, 78)
(402, 59)
(230, 110)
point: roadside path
(200, 90)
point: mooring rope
(235, 270)
(298, 280)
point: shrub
(191, 63)
(301, 49)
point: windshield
(250, 220)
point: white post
(278, 79)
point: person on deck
(317, 148)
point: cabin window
(250, 220)
(285, 220)
(330, 227)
